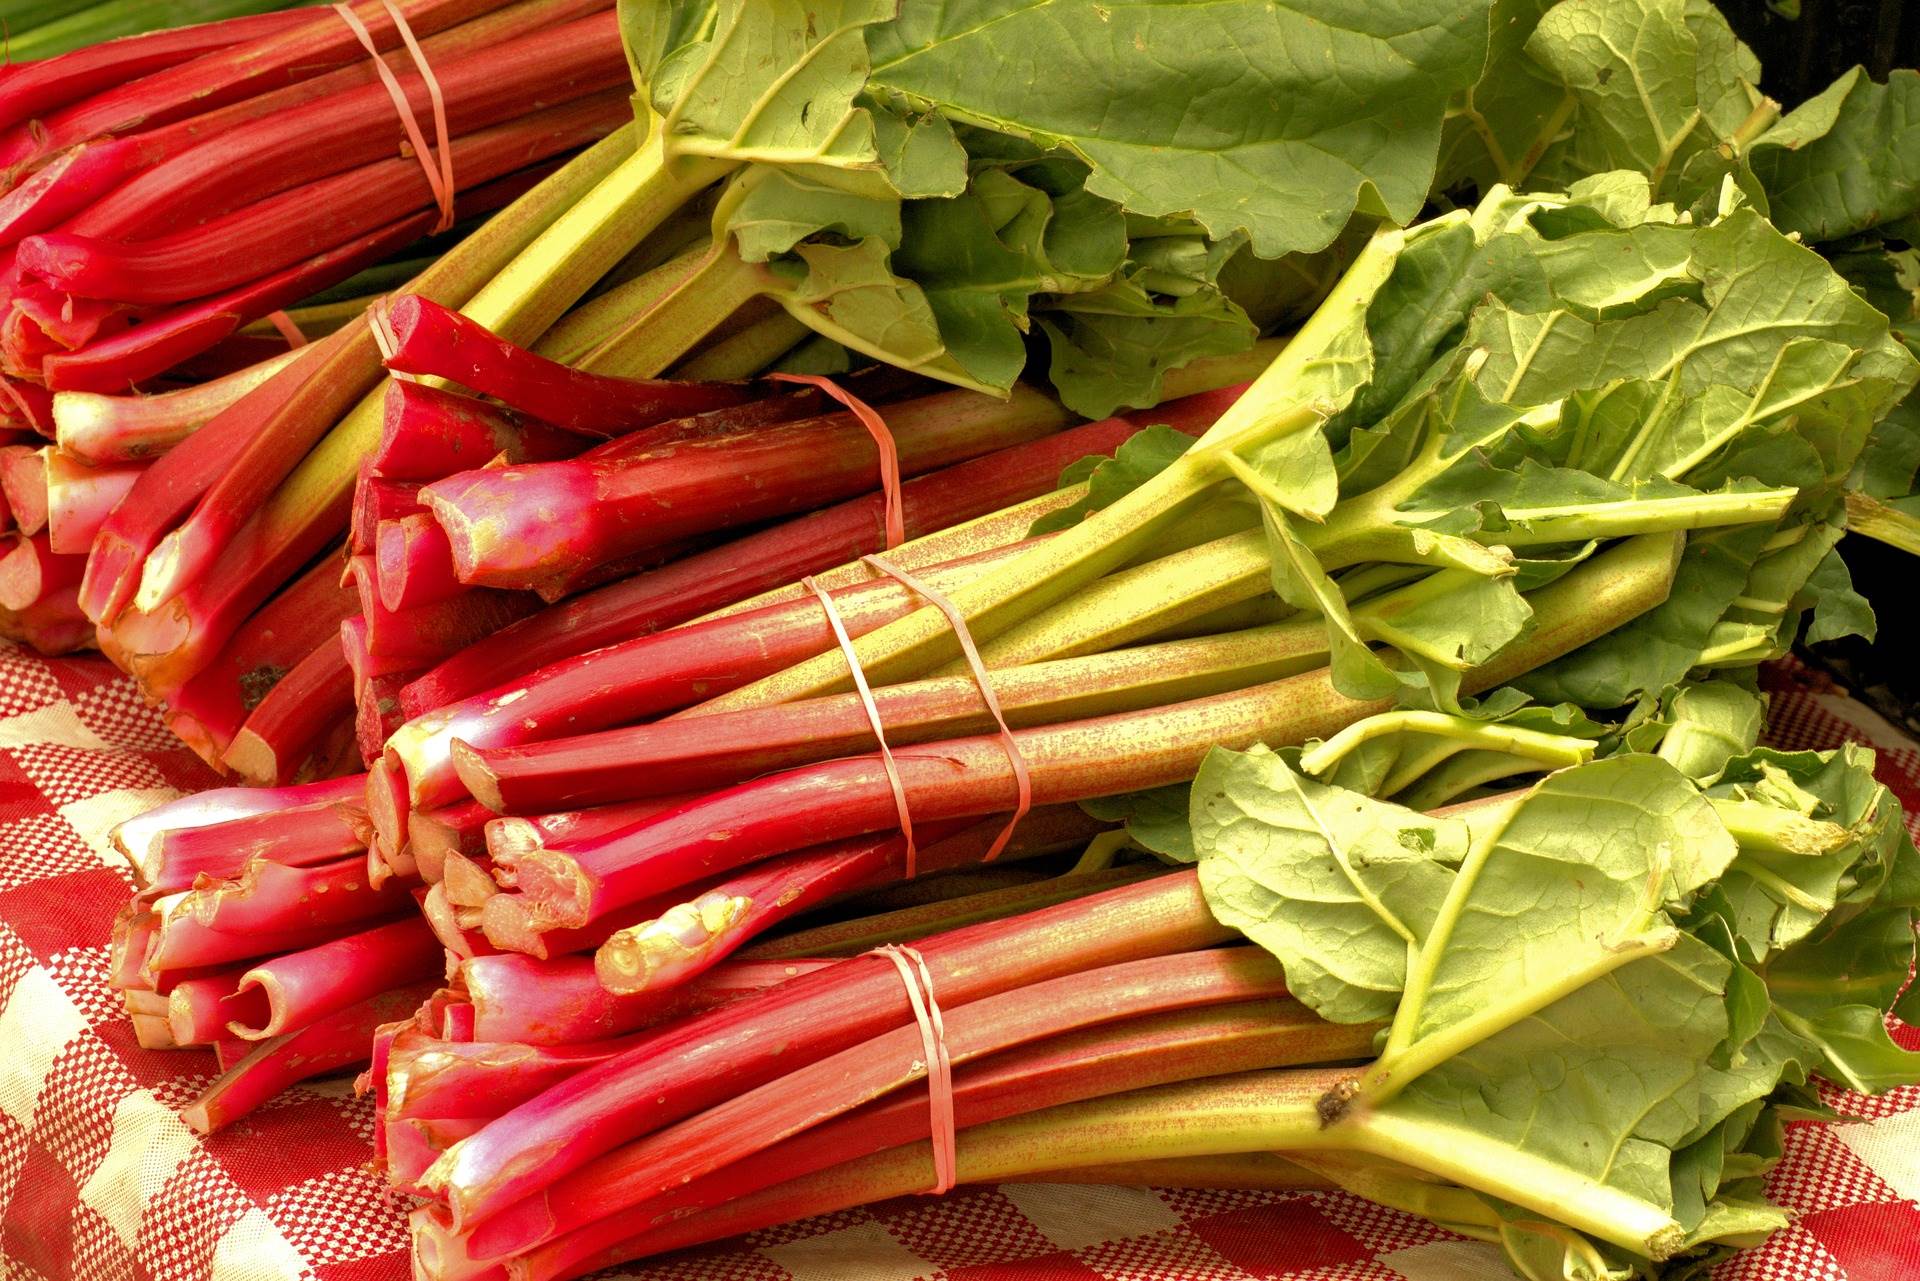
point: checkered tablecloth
(100, 1181)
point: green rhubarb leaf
(654, 33)
(1816, 830)
(1655, 83)
(1708, 724)
(1890, 463)
(1837, 608)
(769, 210)
(1140, 458)
(1758, 292)
(1443, 273)
(772, 81)
(1389, 754)
(1496, 131)
(851, 295)
(1833, 989)
(1658, 648)
(920, 154)
(1846, 160)
(1299, 580)
(1336, 886)
(1155, 819)
(1592, 905)
(1110, 348)
(1597, 1088)
(1173, 106)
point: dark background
(1800, 57)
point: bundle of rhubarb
(257, 931)
(682, 247)
(1436, 555)
(165, 194)
(684, 676)
(1687, 953)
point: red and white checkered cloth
(100, 1181)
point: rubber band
(1022, 777)
(440, 179)
(873, 718)
(896, 505)
(281, 321)
(933, 1040)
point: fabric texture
(100, 1181)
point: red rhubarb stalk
(198, 1008)
(647, 676)
(693, 753)
(286, 734)
(164, 340)
(702, 1061)
(693, 936)
(1067, 762)
(265, 895)
(304, 987)
(282, 422)
(208, 710)
(1100, 1061)
(276, 57)
(124, 429)
(427, 434)
(299, 837)
(126, 187)
(80, 498)
(333, 1044)
(54, 624)
(241, 163)
(23, 481)
(630, 1178)
(435, 340)
(226, 252)
(377, 499)
(481, 1079)
(460, 828)
(34, 88)
(525, 525)
(31, 570)
(559, 1002)
(414, 563)
(169, 488)
(140, 838)
(182, 943)
(735, 571)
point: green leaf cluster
(1599, 996)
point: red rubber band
(440, 177)
(933, 1039)
(876, 426)
(1022, 777)
(873, 718)
(281, 321)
